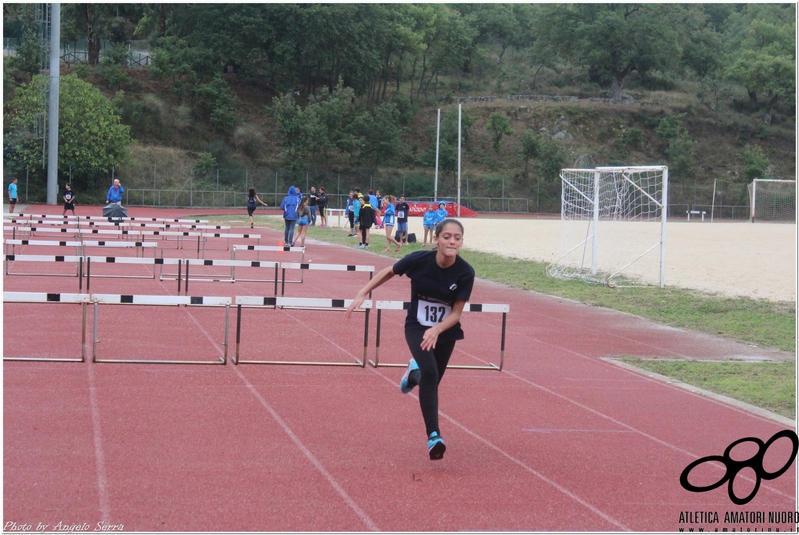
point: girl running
(441, 284)
(252, 199)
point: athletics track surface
(560, 440)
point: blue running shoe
(404, 386)
(436, 446)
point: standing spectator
(313, 199)
(252, 200)
(367, 219)
(402, 220)
(303, 219)
(356, 206)
(321, 203)
(115, 193)
(69, 200)
(379, 206)
(389, 217)
(429, 223)
(373, 202)
(289, 207)
(12, 195)
(441, 213)
(349, 209)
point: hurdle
(158, 300)
(105, 218)
(46, 258)
(268, 248)
(131, 260)
(81, 245)
(321, 267)
(470, 307)
(37, 297)
(232, 264)
(304, 304)
(228, 236)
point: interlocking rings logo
(733, 467)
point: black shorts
(250, 210)
(69, 206)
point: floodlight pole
(438, 137)
(713, 202)
(52, 124)
(460, 106)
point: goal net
(772, 200)
(613, 225)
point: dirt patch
(736, 259)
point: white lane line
(99, 456)
(360, 513)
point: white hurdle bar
(47, 258)
(105, 218)
(470, 307)
(267, 248)
(321, 267)
(305, 304)
(40, 297)
(228, 236)
(131, 260)
(82, 244)
(159, 300)
(232, 264)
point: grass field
(763, 323)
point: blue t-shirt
(12, 190)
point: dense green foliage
(353, 87)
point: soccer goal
(613, 225)
(772, 200)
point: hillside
(170, 134)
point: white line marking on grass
(99, 456)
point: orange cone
(280, 244)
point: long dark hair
(252, 193)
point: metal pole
(52, 124)
(595, 244)
(459, 158)
(713, 202)
(664, 218)
(438, 137)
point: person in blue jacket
(289, 207)
(115, 193)
(441, 213)
(429, 223)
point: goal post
(772, 199)
(613, 225)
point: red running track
(560, 440)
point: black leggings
(432, 365)
(351, 217)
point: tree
(381, 136)
(499, 126)
(615, 40)
(91, 136)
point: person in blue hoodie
(441, 213)
(289, 207)
(429, 223)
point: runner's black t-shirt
(434, 290)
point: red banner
(418, 208)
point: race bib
(401, 214)
(429, 314)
